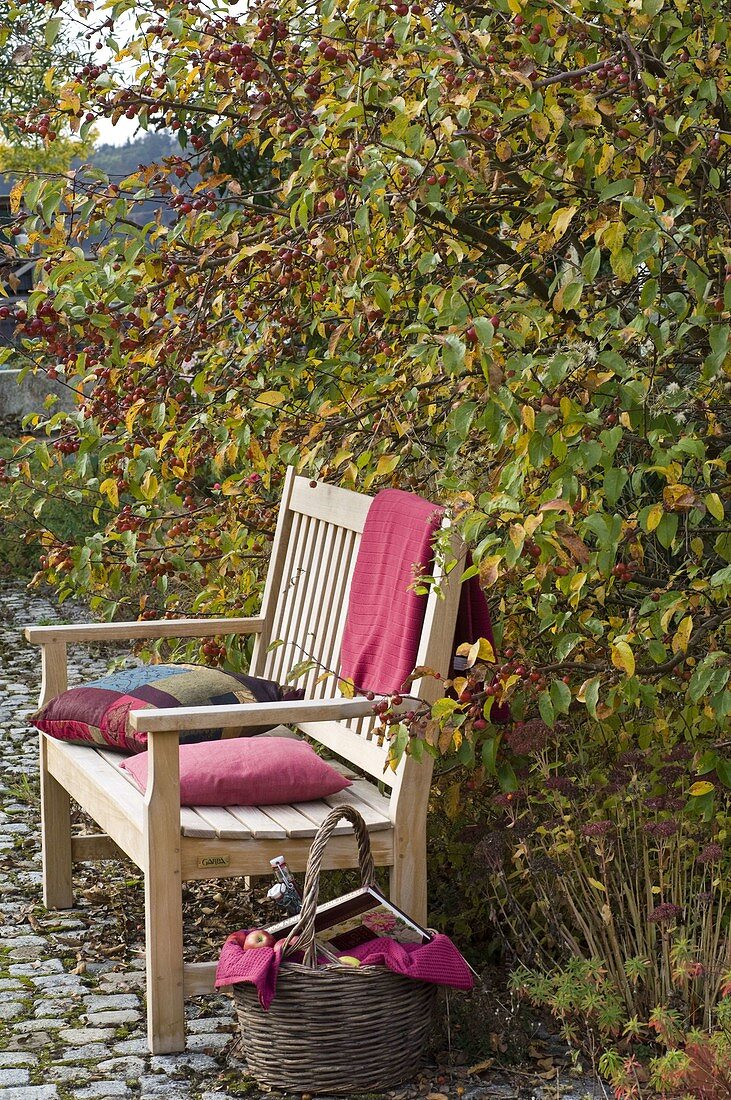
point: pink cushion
(247, 771)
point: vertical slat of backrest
(305, 630)
(309, 609)
(333, 634)
(296, 578)
(273, 584)
(315, 684)
(271, 662)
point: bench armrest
(152, 628)
(171, 719)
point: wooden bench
(304, 604)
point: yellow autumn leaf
(149, 485)
(714, 504)
(481, 650)
(504, 149)
(700, 788)
(110, 490)
(387, 464)
(490, 570)
(623, 657)
(679, 498)
(654, 516)
(269, 398)
(560, 220)
(132, 413)
(540, 126)
(347, 688)
(682, 635)
(596, 884)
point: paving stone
(19, 937)
(90, 1052)
(213, 1023)
(124, 1067)
(68, 1075)
(208, 1041)
(56, 1008)
(30, 1092)
(112, 1002)
(10, 1009)
(36, 969)
(130, 1046)
(14, 1077)
(113, 1019)
(29, 1026)
(159, 1085)
(12, 1058)
(102, 1089)
(173, 1063)
(70, 983)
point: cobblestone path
(72, 982)
(72, 1026)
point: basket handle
(304, 929)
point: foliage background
(481, 253)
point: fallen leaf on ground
(480, 1067)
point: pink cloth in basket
(438, 962)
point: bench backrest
(305, 603)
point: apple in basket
(279, 945)
(348, 960)
(258, 938)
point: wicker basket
(336, 1029)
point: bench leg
(164, 954)
(408, 876)
(55, 838)
(164, 899)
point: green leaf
(507, 778)
(591, 263)
(560, 697)
(53, 28)
(443, 708)
(617, 187)
(614, 482)
(667, 529)
(489, 754)
(453, 354)
(589, 692)
(723, 771)
(545, 707)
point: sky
(120, 134)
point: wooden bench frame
(317, 535)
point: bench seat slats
(247, 823)
(259, 825)
(374, 818)
(192, 824)
(294, 823)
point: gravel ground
(72, 982)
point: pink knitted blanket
(438, 962)
(385, 618)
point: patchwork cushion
(259, 771)
(98, 712)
